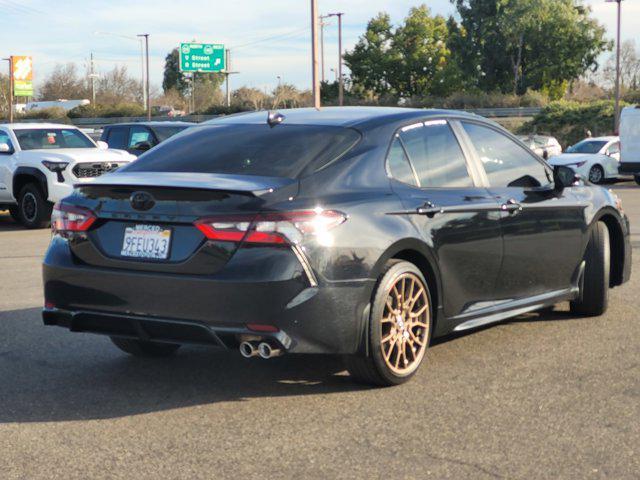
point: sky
(267, 38)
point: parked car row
(40, 163)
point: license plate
(146, 241)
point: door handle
(429, 209)
(511, 206)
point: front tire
(34, 211)
(141, 348)
(399, 329)
(596, 174)
(594, 294)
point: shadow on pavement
(49, 374)
(7, 224)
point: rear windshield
(52, 138)
(281, 151)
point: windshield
(163, 133)
(52, 138)
(587, 146)
(282, 151)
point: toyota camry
(361, 232)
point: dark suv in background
(137, 138)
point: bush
(54, 113)
(224, 110)
(120, 110)
(569, 121)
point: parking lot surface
(541, 396)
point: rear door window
(506, 163)
(117, 137)
(436, 155)
(283, 151)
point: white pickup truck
(40, 163)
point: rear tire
(34, 211)
(399, 329)
(141, 348)
(594, 294)
(596, 174)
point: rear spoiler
(248, 184)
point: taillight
(67, 218)
(271, 228)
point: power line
(273, 37)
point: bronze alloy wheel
(405, 324)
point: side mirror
(102, 145)
(564, 177)
(5, 148)
(142, 146)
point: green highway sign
(202, 57)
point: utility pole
(616, 119)
(340, 78)
(227, 73)
(146, 43)
(314, 54)
(10, 60)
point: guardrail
(101, 122)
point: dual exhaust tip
(262, 349)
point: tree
(116, 87)
(479, 47)
(516, 45)
(370, 59)
(420, 56)
(250, 98)
(412, 59)
(173, 79)
(629, 67)
(4, 95)
(64, 82)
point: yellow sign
(22, 68)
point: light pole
(141, 42)
(314, 54)
(10, 60)
(340, 79)
(146, 45)
(279, 77)
(616, 119)
(322, 25)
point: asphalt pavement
(542, 396)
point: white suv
(40, 163)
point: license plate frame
(146, 242)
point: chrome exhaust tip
(248, 349)
(267, 351)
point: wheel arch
(25, 175)
(616, 245)
(418, 253)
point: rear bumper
(201, 309)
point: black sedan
(364, 232)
